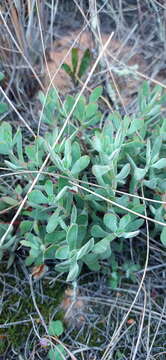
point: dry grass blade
(141, 326)
(16, 111)
(17, 25)
(29, 5)
(140, 74)
(156, 332)
(24, 59)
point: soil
(62, 53)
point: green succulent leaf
(62, 253)
(95, 95)
(74, 54)
(73, 272)
(128, 235)
(48, 187)
(102, 245)
(124, 221)
(123, 173)
(160, 164)
(9, 200)
(71, 236)
(91, 110)
(3, 108)
(98, 232)
(85, 63)
(68, 70)
(5, 138)
(37, 197)
(52, 222)
(91, 260)
(140, 173)
(79, 111)
(163, 236)
(55, 328)
(57, 353)
(80, 165)
(1, 76)
(85, 249)
(99, 171)
(111, 222)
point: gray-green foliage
(69, 224)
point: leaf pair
(76, 71)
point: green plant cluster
(76, 70)
(74, 214)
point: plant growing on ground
(56, 329)
(76, 71)
(80, 211)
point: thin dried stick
(79, 181)
(118, 205)
(16, 25)
(136, 72)
(156, 332)
(20, 50)
(67, 350)
(16, 111)
(141, 326)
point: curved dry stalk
(35, 305)
(79, 181)
(141, 326)
(118, 205)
